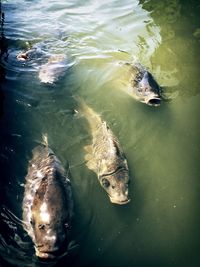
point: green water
(160, 226)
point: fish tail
(87, 112)
(82, 106)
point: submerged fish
(47, 203)
(144, 87)
(53, 69)
(106, 158)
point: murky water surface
(160, 226)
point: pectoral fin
(72, 247)
(88, 155)
(88, 149)
(91, 165)
(90, 162)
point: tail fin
(87, 111)
(91, 116)
(82, 106)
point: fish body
(47, 203)
(55, 68)
(144, 87)
(106, 158)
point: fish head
(50, 233)
(147, 90)
(116, 186)
(50, 218)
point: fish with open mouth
(105, 157)
(47, 203)
(144, 87)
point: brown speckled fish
(106, 158)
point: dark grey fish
(47, 203)
(106, 158)
(144, 87)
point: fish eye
(41, 226)
(105, 182)
(32, 222)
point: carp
(144, 87)
(47, 203)
(105, 157)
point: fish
(55, 68)
(105, 157)
(143, 86)
(47, 203)
(49, 72)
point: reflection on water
(3, 51)
(160, 226)
(180, 39)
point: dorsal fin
(45, 139)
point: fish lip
(50, 254)
(45, 255)
(153, 101)
(119, 202)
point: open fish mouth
(120, 202)
(154, 101)
(45, 255)
(51, 254)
